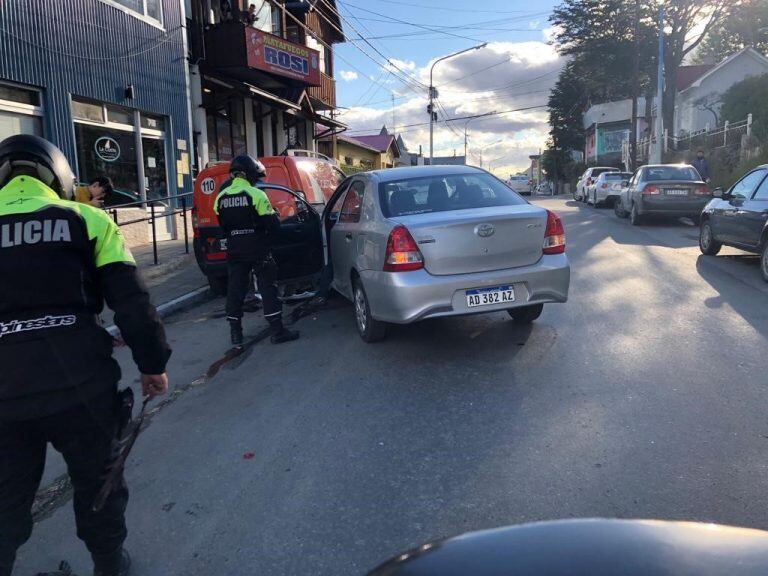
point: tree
(746, 25)
(748, 97)
(567, 102)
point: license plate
(223, 244)
(490, 296)
(676, 192)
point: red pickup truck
(293, 183)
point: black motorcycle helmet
(247, 167)
(36, 157)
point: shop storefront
(128, 146)
(21, 111)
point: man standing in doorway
(250, 223)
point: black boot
(115, 564)
(281, 334)
(236, 331)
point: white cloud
(348, 75)
(517, 75)
(396, 65)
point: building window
(226, 131)
(277, 21)
(149, 9)
(105, 138)
(327, 61)
(20, 111)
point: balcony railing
(325, 94)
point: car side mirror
(718, 193)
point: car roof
(679, 165)
(407, 172)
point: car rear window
(444, 193)
(597, 171)
(617, 176)
(671, 173)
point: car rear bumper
(406, 297)
(673, 206)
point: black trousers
(85, 436)
(266, 280)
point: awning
(257, 93)
(330, 122)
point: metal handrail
(152, 217)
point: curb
(175, 305)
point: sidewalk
(176, 280)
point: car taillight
(651, 191)
(604, 185)
(554, 236)
(701, 190)
(402, 252)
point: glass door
(156, 183)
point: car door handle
(348, 236)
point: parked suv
(312, 180)
(739, 218)
(581, 192)
(663, 190)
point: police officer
(249, 222)
(59, 261)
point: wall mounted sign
(273, 54)
(107, 149)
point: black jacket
(59, 262)
(248, 220)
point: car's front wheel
(526, 314)
(764, 260)
(370, 330)
(707, 243)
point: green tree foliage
(746, 25)
(748, 97)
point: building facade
(106, 81)
(700, 89)
(261, 80)
(607, 127)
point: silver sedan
(412, 243)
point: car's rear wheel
(217, 285)
(634, 216)
(707, 243)
(370, 330)
(764, 260)
(526, 314)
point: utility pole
(635, 90)
(394, 126)
(658, 149)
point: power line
(411, 80)
(444, 9)
(406, 23)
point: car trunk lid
(478, 240)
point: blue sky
(516, 70)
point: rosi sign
(273, 54)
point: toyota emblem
(485, 230)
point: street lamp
(433, 95)
(465, 132)
(490, 164)
(482, 149)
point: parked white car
(607, 188)
(581, 192)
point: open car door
(298, 248)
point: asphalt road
(642, 397)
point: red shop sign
(273, 54)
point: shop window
(87, 111)
(145, 8)
(12, 124)
(155, 179)
(152, 122)
(119, 115)
(19, 95)
(108, 152)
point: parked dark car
(739, 218)
(675, 190)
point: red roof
(687, 75)
(379, 141)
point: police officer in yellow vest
(250, 223)
(59, 261)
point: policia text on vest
(59, 262)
